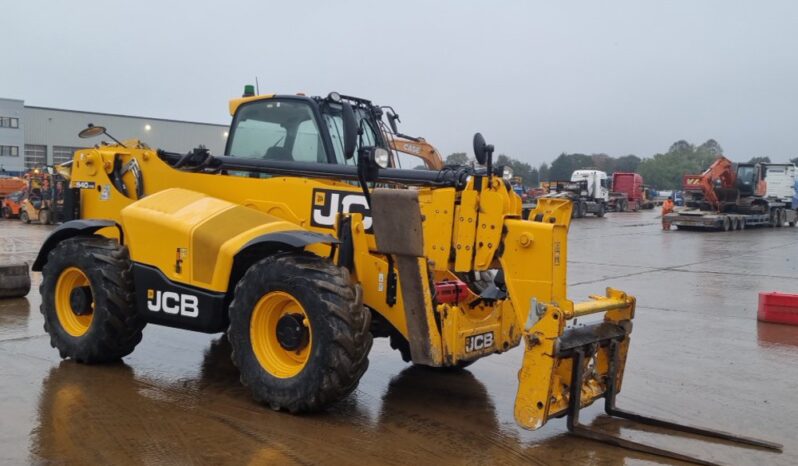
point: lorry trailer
(703, 220)
(726, 197)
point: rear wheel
(23, 216)
(45, 217)
(6, 212)
(87, 300)
(600, 212)
(299, 332)
(782, 217)
(726, 223)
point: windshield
(335, 126)
(745, 174)
(283, 130)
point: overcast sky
(536, 78)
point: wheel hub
(80, 300)
(292, 334)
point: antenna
(257, 87)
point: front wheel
(87, 300)
(299, 332)
(6, 213)
(600, 212)
(23, 216)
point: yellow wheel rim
(74, 324)
(273, 356)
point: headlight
(381, 157)
(507, 173)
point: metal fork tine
(612, 410)
(719, 434)
(588, 433)
(574, 427)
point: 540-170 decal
(328, 203)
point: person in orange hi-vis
(667, 207)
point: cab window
(280, 130)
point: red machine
(9, 185)
(628, 192)
(710, 186)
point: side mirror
(392, 119)
(91, 131)
(482, 150)
(350, 130)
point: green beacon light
(249, 90)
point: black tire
(45, 217)
(340, 331)
(600, 212)
(782, 218)
(577, 210)
(116, 326)
(6, 212)
(23, 216)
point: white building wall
(14, 137)
(57, 127)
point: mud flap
(398, 231)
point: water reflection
(768, 335)
(14, 315)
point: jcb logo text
(173, 303)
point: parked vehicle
(628, 193)
(725, 198)
(44, 199)
(12, 204)
(588, 190)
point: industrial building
(37, 136)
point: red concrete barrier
(779, 308)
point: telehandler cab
(302, 247)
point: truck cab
(780, 179)
(597, 184)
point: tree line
(662, 170)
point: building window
(35, 155)
(63, 154)
(9, 151)
(9, 122)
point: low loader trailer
(705, 220)
(725, 197)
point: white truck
(780, 180)
(588, 190)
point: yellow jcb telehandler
(302, 246)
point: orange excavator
(727, 198)
(713, 187)
(413, 146)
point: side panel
(193, 238)
(161, 301)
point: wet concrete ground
(698, 355)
